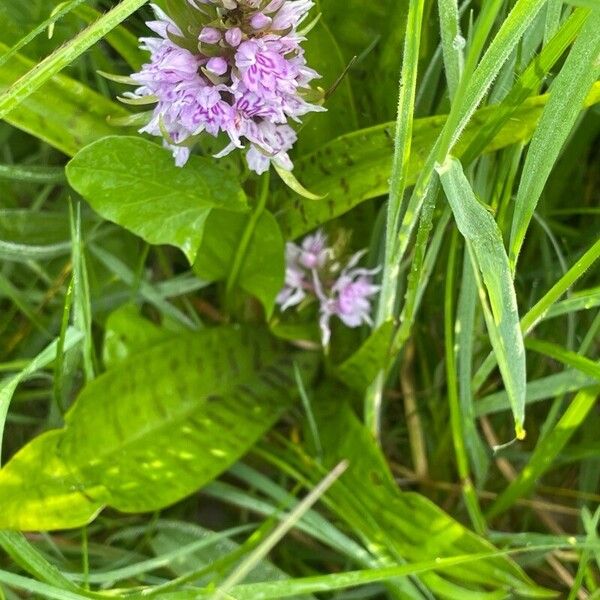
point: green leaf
(356, 167)
(552, 386)
(263, 268)
(127, 332)
(32, 174)
(402, 526)
(359, 370)
(134, 183)
(453, 53)
(172, 536)
(528, 83)
(63, 56)
(465, 338)
(324, 56)
(43, 359)
(40, 492)
(41, 590)
(567, 96)
(27, 235)
(290, 180)
(152, 431)
(569, 358)
(63, 112)
(489, 260)
(123, 41)
(121, 271)
(543, 306)
(60, 11)
(548, 448)
(29, 558)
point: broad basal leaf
(39, 491)
(262, 268)
(127, 332)
(357, 166)
(134, 183)
(153, 430)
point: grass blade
(567, 95)
(542, 307)
(546, 451)
(451, 43)
(43, 359)
(484, 242)
(398, 183)
(279, 532)
(55, 16)
(65, 55)
(457, 420)
(26, 556)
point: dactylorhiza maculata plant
(229, 66)
(313, 271)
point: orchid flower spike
(235, 67)
(313, 271)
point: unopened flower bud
(233, 37)
(210, 35)
(217, 65)
(260, 21)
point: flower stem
(240, 255)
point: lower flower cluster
(237, 68)
(312, 271)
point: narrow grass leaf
(567, 94)
(489, 257)
(82, 305)
(541, 308)
(350, 579)
(41, 590)
(58, 13)
(43, 359)
(571, 359)
(65, 55)
(527, 84)
(546, 451)
(552, 386)
(458, 421)
(146, 290)
(452, 43)
(269, 543)
(31, 560)
(386, 307)
(32, 174)
(465, 335)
